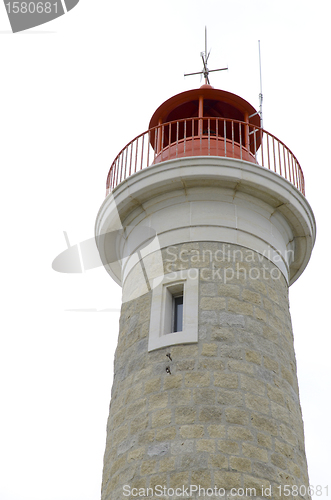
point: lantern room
(205, 121)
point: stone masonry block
(159, 400)
(161, 418)
(228, 447)
(226, 380)
(209, 350)
(153, 385)
(255, 452)
(257, 403)
(218, 461)
(158, 449)
(167, 464)
(253, 357)
(240, 464)
(253, 297)
(185, 415)
(201, 478)
(238, 433)
(239, 307)
(208, 445)
(227, 480)
(265, 424)
(180, 397)
(212, 303)
(236, 416)
(196, 379)
(178, 480)
(210, 414)
(148, 467)
(192, 431)
(173, 382)
(167, 433)
(264, 440)
(217, 431)
(252, 385)
(204, 396)
(230, 398)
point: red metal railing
(206, 137)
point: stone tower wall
(228, 415)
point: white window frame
(161, 320)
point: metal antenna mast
(260, 94)
(205, 71)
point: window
(174, 310)
(178, 313)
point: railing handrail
(265, 148)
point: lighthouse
(205, 225)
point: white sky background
(73, 93)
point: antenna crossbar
(205, 71)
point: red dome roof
(216, 103)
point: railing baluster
(289, 164)
(136, 157)
(155, 141)
(294, 172)
(109, 184)
(177, 133)
(224, 137)
(262, 147)
(184, 137)
(284, 156)
(217, 121)
(126, 161)
(232, 133)
(273, 149)
(169, 145)
(268, 151)
(122, 167)
(208, 136)
(280, 163)
(142, 151)
(162, 141)
(148, 146)
(131, 158)
(241, 152)
(193, 136)
(117, 171)
(255, 146)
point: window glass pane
(178, 314)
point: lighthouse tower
(205, 226)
